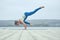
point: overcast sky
(14, 9)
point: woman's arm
(21, 22)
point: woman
(26, 15)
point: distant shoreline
(35, 23)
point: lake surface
(35, 23)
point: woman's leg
(31, 13)
(26, 21)
(36, 10)
(28, 14)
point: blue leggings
(29, 14)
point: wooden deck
(30, 34)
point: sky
(14, 9)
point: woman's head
(16, 23)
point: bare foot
(30, 24)
(41, 6)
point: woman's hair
(16, 22)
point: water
(35, 23)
